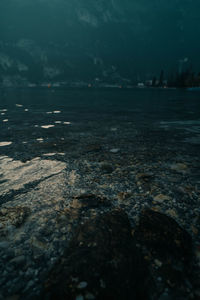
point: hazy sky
(142, 35)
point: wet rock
(169, 251)
(161, 198)
(4, 245)
(114, 150)
(172, 213)
(106, 168)
(93, 148)
(123, 196)
(103, 260)
(162, 234)
(12, 217)
(19, 260)
(179, 167)
(89, 201)
(17, 175)
(144, 177)
(145, 181)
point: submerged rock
(102, 262)
(168, 249)
(93, 148)
(89, 201)
(163, 234)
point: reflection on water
(56, 112)
(47, 126)
(2, 144)
(116, 120)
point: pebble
(82, 285)
(89, 296)
(164, 296)
(4, 245)
(160, 198)
(79, 297)
(172, 213)
(179, 167)
(102, 284)
(114, 150)
(30, 283)
(18, 260)
(158, 263)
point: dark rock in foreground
(106, 259)
(102, 262)
(163, 235)
(169, 251)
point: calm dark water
(40, 121)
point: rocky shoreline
(55, 203)
(95, 201)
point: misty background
(112, 40)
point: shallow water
(30, 118)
